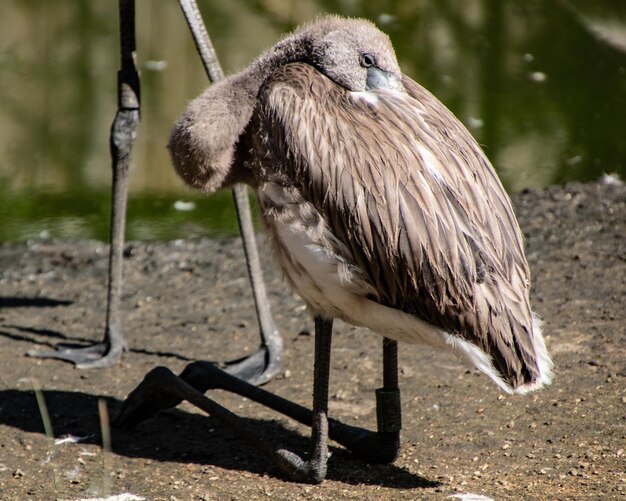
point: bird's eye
(367, 60)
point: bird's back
(392, 195)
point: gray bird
(382, 209)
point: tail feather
(485, 363)
(542, 359)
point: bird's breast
(316, 262)
(321, 270)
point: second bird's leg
(123, 132)
(257, 368)
(266, 362)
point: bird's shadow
(179, 436)
(52, 338)
(32, 302)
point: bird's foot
(370, 446)
(147, 399)
(310, 472)
(152, 394)
(99, 355)
(94, 356)
(381, 446)
(256, 369)
(161, 388)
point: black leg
(123, 133)
(388, 408)
(161, 389)
(167, 387)
(314, 470)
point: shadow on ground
(179, 436)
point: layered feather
(410, 207)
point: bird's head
(354, 54)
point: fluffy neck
(203, 142)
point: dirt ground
(190, 300)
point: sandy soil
(190, 300)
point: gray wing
(405, 186)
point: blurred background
(540, 83)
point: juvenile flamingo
(382, 211)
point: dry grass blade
(47, 426)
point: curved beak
(379, 79)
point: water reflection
(541, 84)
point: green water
(74, 214)
(541, 84)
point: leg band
(388, 410)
